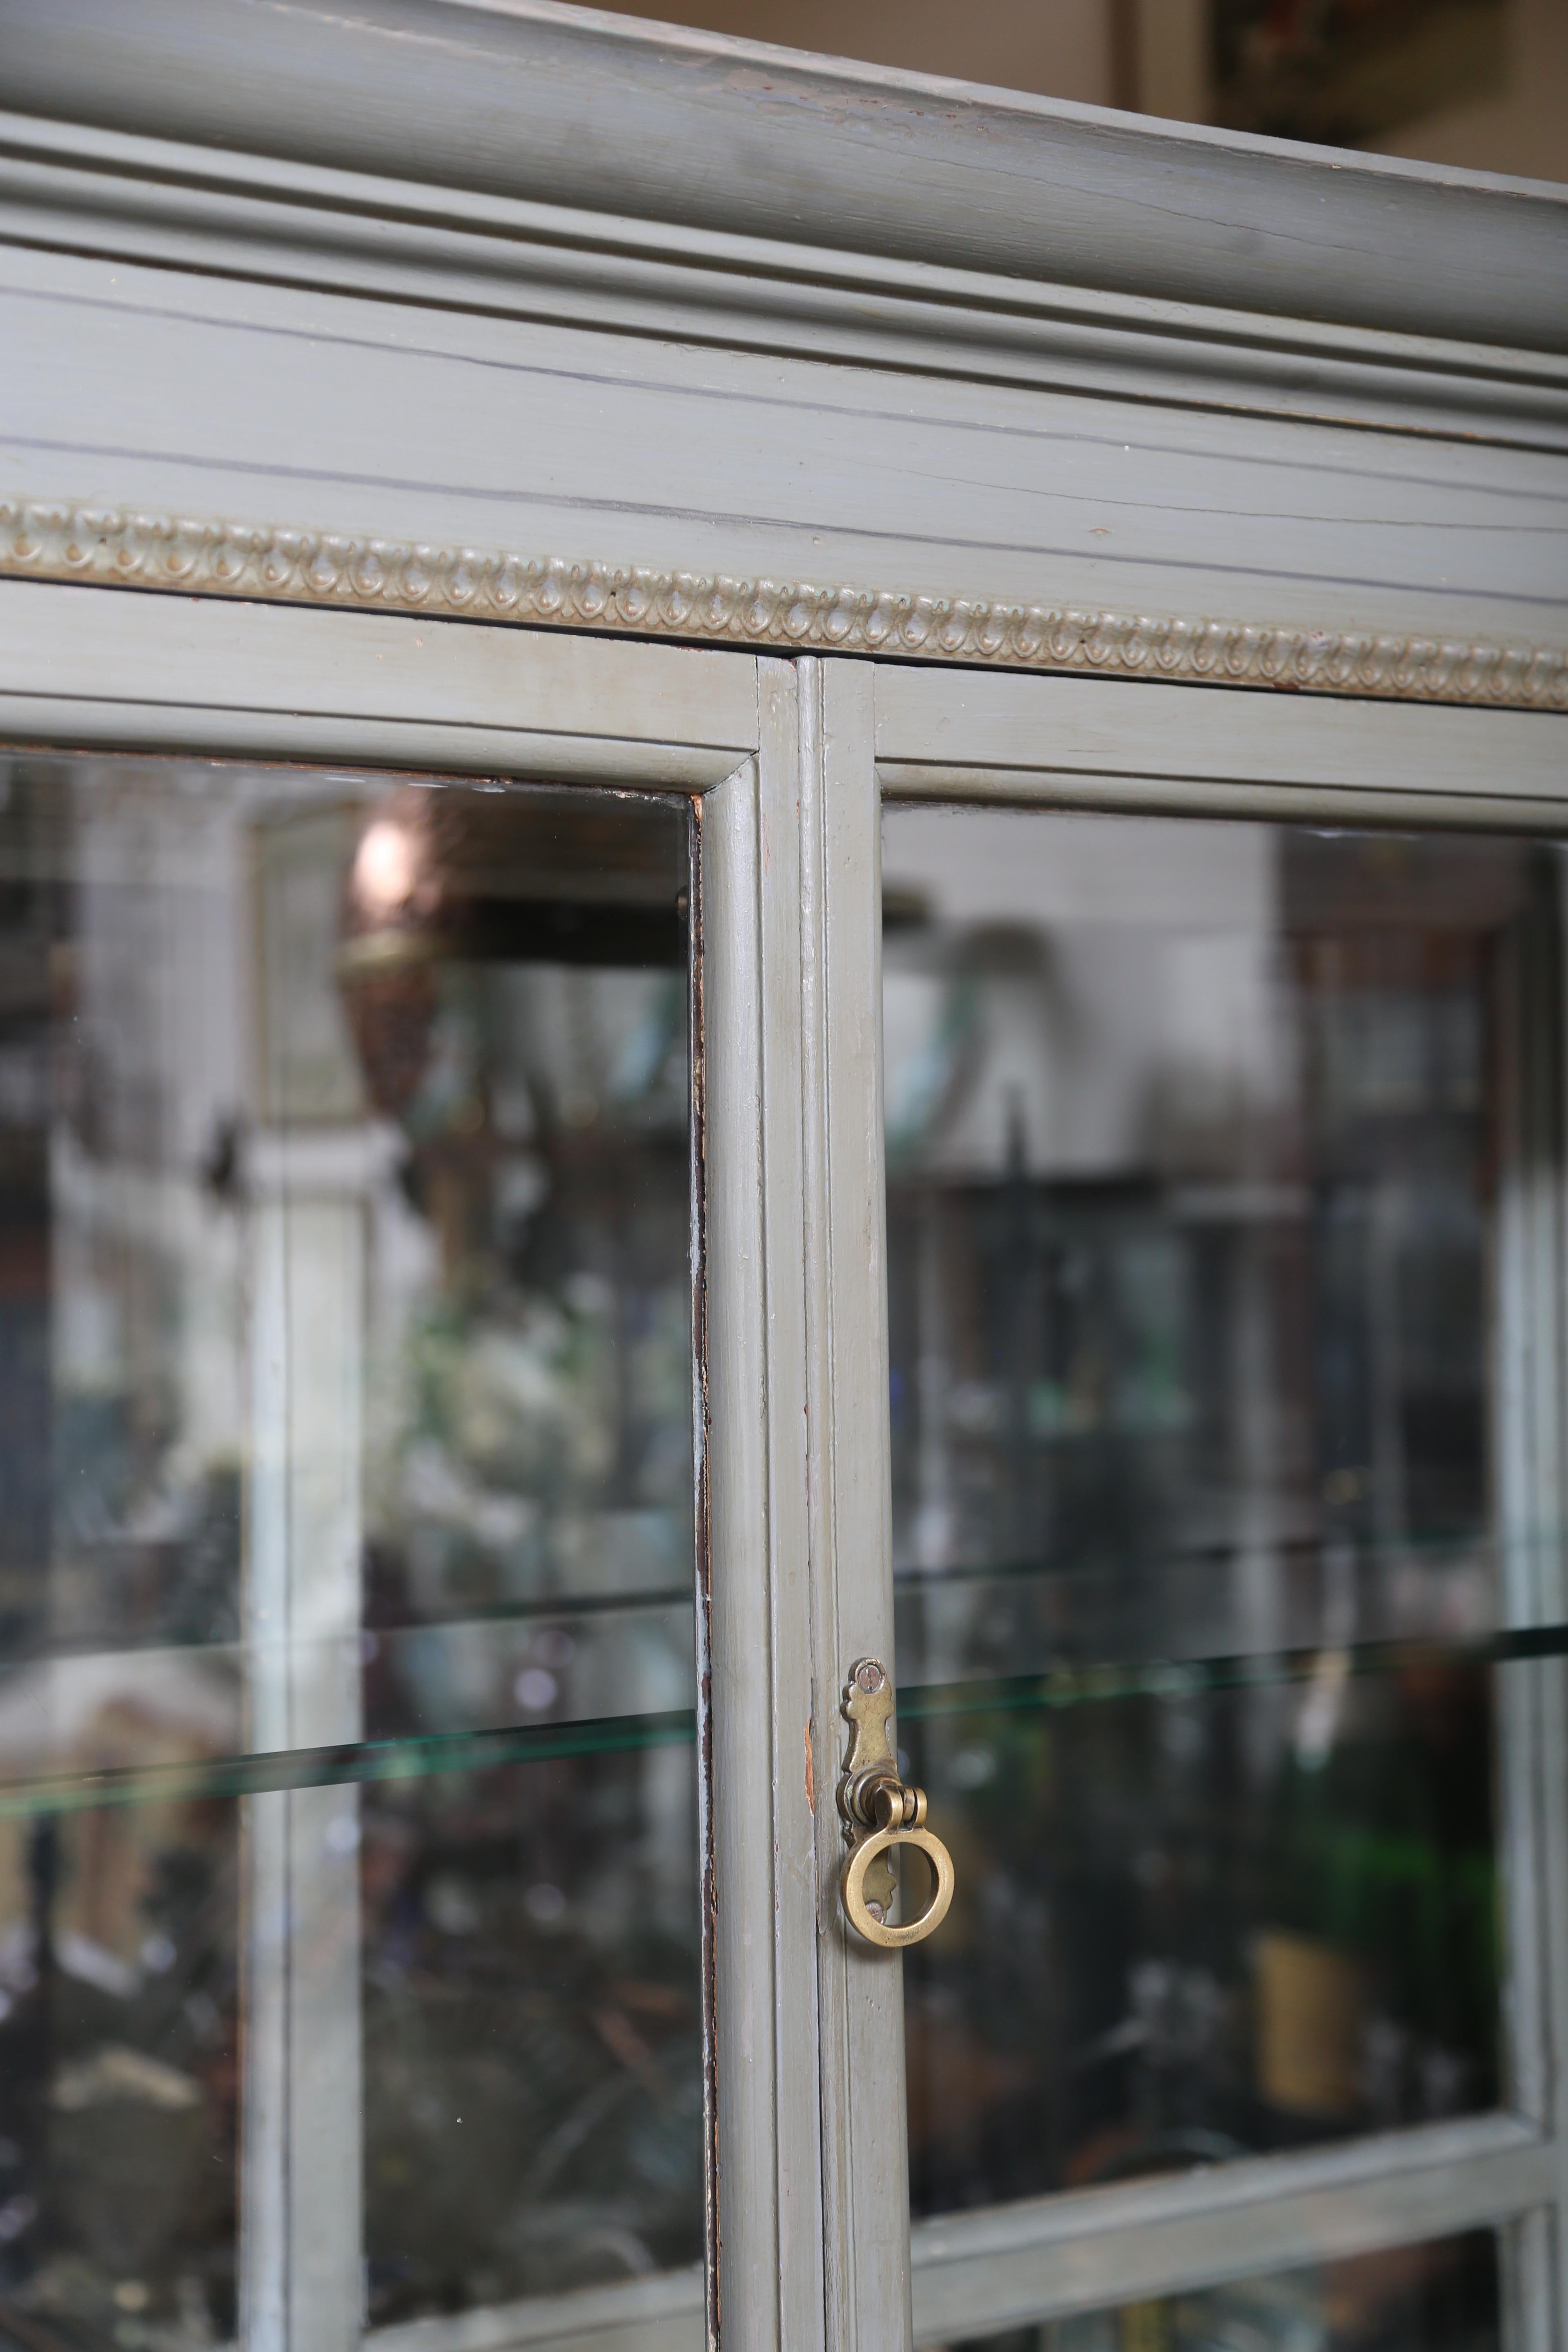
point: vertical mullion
(798, 2148)
(865, 2158)
(735, 1454)
(769, 2249)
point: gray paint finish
(329, 413)
(627, 298)
(491, 275)
(522, 97)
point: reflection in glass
(1441, 2298)
(348, 1868)
(1194, 1147)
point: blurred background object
(348, 1828)
(1479, 83)
(1195, 1168)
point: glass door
(350, 1929)
(526, 1305)
(1222, 1567)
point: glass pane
(1441, 2298)
(348, 1913)
(1195, 1149)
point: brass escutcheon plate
(881, 1813)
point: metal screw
(875, 1911)
(869, 1676)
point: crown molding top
(529, 100)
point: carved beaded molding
(311, 567)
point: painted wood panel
(132, 387)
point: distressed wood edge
(287, 563)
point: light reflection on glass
(1194, 1156)
(345, 1552)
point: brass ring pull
(852, 1884)
(880, 1814)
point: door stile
(740, 1885)
(864, 2162)
(768, 2236)
(798, 2185)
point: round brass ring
(852, 1885)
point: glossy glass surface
(1441, 2298)
(1197, 1158)
(347, 1833)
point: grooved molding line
(291, 565)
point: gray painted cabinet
(482, 391)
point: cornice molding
(283, 564)
(73, 189)
(529, 100)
